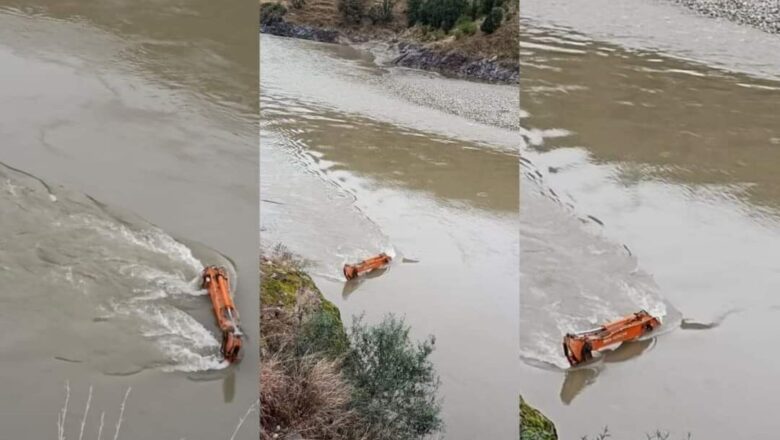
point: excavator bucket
(216, 282)
(352, 271)
(579, 347)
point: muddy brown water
(129, 161)
(352, 164)
(670, 145)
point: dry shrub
(305, 396)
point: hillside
(462, 44)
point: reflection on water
(577, 379)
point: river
(655, 134)
(129, 162)
(359, 158)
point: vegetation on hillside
(483, 28)
(534, 425)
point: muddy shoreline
(407, 54)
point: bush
(440, 14)
(352, 10)
(322, 333)
(493, 20)
(382, 11)
(413, 11)
(271, 12)
(465, 26)
(487, 5)
(394, 382)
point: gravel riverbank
(762, 14)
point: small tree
(487, 5)
(492, 21)
(413, 11)
(442, 14)
(394, 382)
(271, 12)
(473, 9)
(382, 11)
(352, 10)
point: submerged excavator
(352, 271)
(579, 347)
(215, 280)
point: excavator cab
(216, 282)
(579, 347)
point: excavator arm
(216, 282)
(579, 347)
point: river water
(129, 162)
(356, 159)
(652, 137)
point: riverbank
(319, 380)
(761, 14)
(304, 348)
(534, 425)
(464, 51)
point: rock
(456, 64)
(762, 14)
(283, 28)
(534, 425)
(290, 303)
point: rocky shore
(409, 54)
(282, 28)
(454, 63)
(762, 14)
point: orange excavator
(579, 347)
(352, 271)
(216, 281)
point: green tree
(413, 11)
(442, 14)
(487, 5)
(271, 12)
(493, 20)
(394, 382)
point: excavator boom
(579, 347)
(216, 281)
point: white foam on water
(163, 284)
(186, 343)
(152, 239)
(188, 361)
